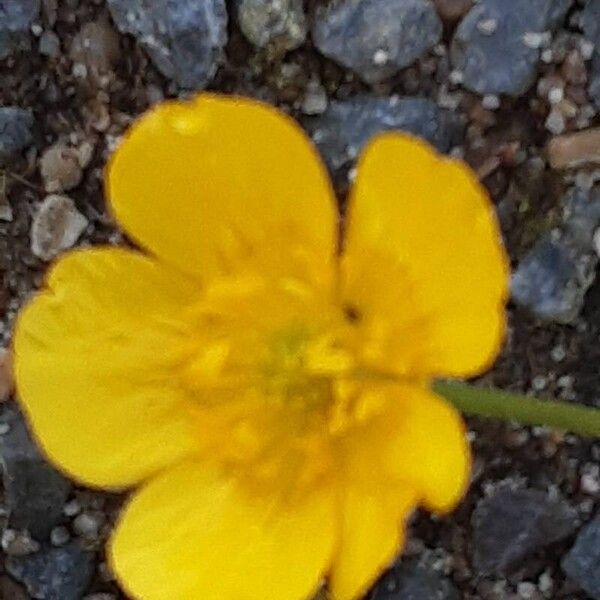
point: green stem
(486, 402)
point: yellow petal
(424, 263)
(372, 534)
(190, 534)
(222, 184)
(94, 357)
(428, 447)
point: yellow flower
(270, 398)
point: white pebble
(490, 102)
(487, 26)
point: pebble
(376, 38)
(17, 18)
(345, 127)
(55, 573)
(18, 543)
(24, 469)
(184, 39)
(511, 525)
(87, 525)
(413, 581)
(315, 99)
(96, 46)
(452, 10)
(277, 24)
(582, 562)
(493, 43)
(59, 536)
(49, 44)
(15, 132)
(575, 149)
(56, 226)
(60, 168)
(6, 374)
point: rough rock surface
(376, 38)
(184, 39)
(491, 45)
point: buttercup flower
(267, 393)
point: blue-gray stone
(590, 21)
(184, 38)
(55, 573)
(276, 24)
(376, 38)
(16, 17)
(490, 46)
(35, 493)
(582, 562)
(346, 126)
(413, 581)
(15, 131)
(514, 524)
(553, 278)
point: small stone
(493, 43)
(59, 536)
(15, 131)
(558, 354)
(514, 524)
(184, 39)
(87, 525)
(550, 283)
(315, 99)
(411, 581)
(490, 102)
(277, 24)
(582, 562)
(96, 46)
(54, 574)
(18, 543)
(60, 168)
(343, 129)
(376, 38)
(555, 121)
(575, 149)
(49, 44)
(6, 374)
(452, 10)
(24, 469)
(16, 19)
(56, 226)
(72, 508)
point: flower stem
(489, 402)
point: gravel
(492, 45)
(582, 562)
(15, 132)
(16, 17)
(376, 38)
(184, 39)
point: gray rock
(376, 38)
(590, 21)
(34, 492)
(412, 581)
(184, 38)
(278, 24)
(15, 131)
(54, 574)
(344, 128)
(16, 16)
(490, 44)
(514, 524)
(553, 278)
(582, 562)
